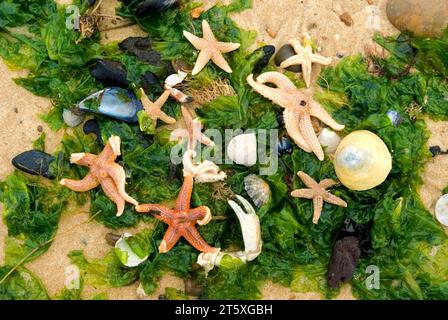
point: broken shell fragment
(329, 139)
(116, 103)
(242, 149)
(362, 161)
(203, 172)
(71, 118)
(250, 227)
(441, 210)
(34, 162)
(126, 254)
(257, 189)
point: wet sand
(20, 110)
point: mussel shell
(343, 262)
(284, 53)
(268, 52)
(34, 162)
(284, 146)
(92, 126)
(150, 82)
(149, 7)
(110, 73)
(141, 47)
(116, 103)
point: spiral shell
(257, 189)
(362, 161)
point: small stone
(16, 110)
(346, 19)
(40, 128)
(284, 53)
(312, 26)
(71, 118)
(370, 2)
(272, 32)
(340, 55)
(196, 13)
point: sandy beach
(20, 124)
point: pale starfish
(305, 57)
(192, 132)
(317, 192)
(181, 220)
(210, 49)
(299, 109)
(154, 109)
(102, 171)
(206, 171)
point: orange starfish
(181, 220)
(299, 108)
(102, 171)
(317, 192)
(210, 49)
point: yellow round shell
(362, 160)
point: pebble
(346, 18)
(272, 32)
(40, 128)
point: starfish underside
(181, 220)
(317, 192)
(305, 57)
(102, 171)
(210, 49)
(298, 110)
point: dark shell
(91, 2)
(343, 262)
(110, 73)
(284, 146)
(34, 162)
(141, 47)
(437, 151)
(284, 53)
(149, 7)
(268, 52)
(279, 118)
(92, 126)
(361, 232)
(150, 82)
(116, 103)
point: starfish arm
(117, 173)
(197, 42)
(307, 69)
(112, 193)
(277, 78)
(319, 112)
(87, 183)
(202, 60)
(296, 46)
(303, 193)
(83, 159)
(111, 150)
(331, 198)
(195, 239)
(201, 215)
(207, 32)
(320, 59)
(166, 118)
(307, 130)
(327, 183)
(144, 208)
(221, 62)
(169, 239)
(307, 180)
(291, 118)
(292, 61)
(206, 140)
(278, 96)
(184, 196)
(318, 203)
(226, 47)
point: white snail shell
(362, 161)
(329, 139)
(442, 210)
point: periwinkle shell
(34, 162)
(284, 53)
(116, 103)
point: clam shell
(441, 210)
(362, 161)
(125, 253)
(257, 189)
(242, 149)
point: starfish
(206, 171)
(210, 49)
(317, 192)
(154, 109)
(102, 171)
(298, 110)
(305, 57)
(192, 132)
(181, 220)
